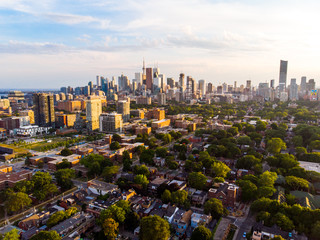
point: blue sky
(52, 43)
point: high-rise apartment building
(181, 81)
(210, 88)
(293, 91)
(170, 82)
(162, 98)
(93, 111)
(43, 105)
(202, 87)
(111, 122)
(149, 79)
(303, 85)
(123, 107)
(283, 76)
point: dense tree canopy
(154, 228)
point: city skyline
(54, 44)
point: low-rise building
(160, 124)
(9, 180)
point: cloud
(16, 47)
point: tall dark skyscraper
(43, 109)
(149, 78)
(283, 75)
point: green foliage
(166, 196)
(214, 207)
(141, 180)
(66, 152)
(147, 156)
(249, 162)
(249, 190)
(43, 186)
(63, 177)
(110, 228)
(179, 197)
(244, 140)
(220, 169)
(59, 216)
(12, 235)
(116, 138)
(95, 163)
(161, 152)
(154, 228)
(64, 164)
(115, 212)
(296, 183)
(115, 145)
(197, 180)
(141, 169)
(275, 145)
(46, 235)
(201, 233)
(132, 220)
(109, 172)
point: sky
(54, 43)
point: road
(245, 226)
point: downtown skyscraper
(283, 75)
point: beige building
(111, 122)
(4, 103)
(93, 112)
(28, 113)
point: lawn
(40, 145)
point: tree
(220, 169)
(147, 156)
(154, 228)
(179, 197)
(296, 183)
(166, 196)
(201, 233)
(283, 221)
(275, 145)
(109, 172)
(141, 169)
(248, 189)
(126, 160)
(244, 140)
(12, 235)
(167, 138)
(315, 230)
(115, 146)
(315, 145)
(43, 186)
(197, 180)
(141, 180)
(215, 208)
(63, 177)
(17, 201)
(267, 179)
(266, 191)
(261, 126)
(110, 228)
(161, 152)
(116, 213)
(116, 138)
(66, 152)
(55, 218)
(248, 162)
(132, 220)
(46, 235)
(64, 164)
(234, 131)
